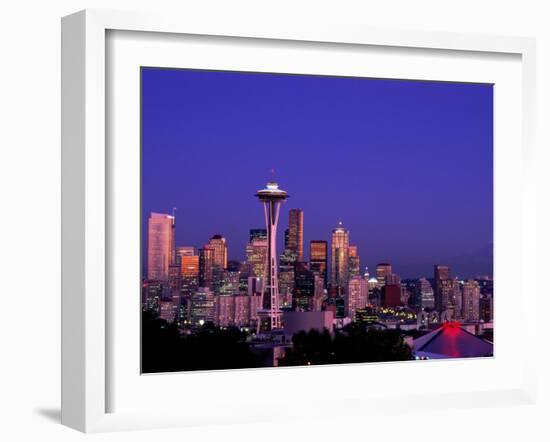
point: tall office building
(271, 197)
(450, 297)
(442, 272)
(255, 286)
(167, 311)
(425, 294)
(189, 275)
(365, 288)
(319, 293)
(295, 241)
(304, 287)
(242, 310)
(229, 283)
(287, 272)
(257, 234)
(206, 267)
(339, 247)
(471, 296)
(318, 259)
(457, 299)
(285, 300)
(383, 273)
(160, 245)
(443, 288)
(393, 279)
(174, 281)
(202, 307)
(256, 257)
(152, 293)
(182, 251)
(373, 283)
(486, 307)
(391, 295)
(354, 263)
(356, 296)
(219, 245)
(225, 311)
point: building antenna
(272, 174)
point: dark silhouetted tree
(355, 343)
(210, 348)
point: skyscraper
(152, 293)
(174, 281)
(391, 295)
(486, 308)
(225, 311)
(287, 273)
(339, 247)
(202, 307)
(366, 275)
(354, 263)
(206, 267)
(295, 240)
(167, 311)
(319, 292)
(255, 286)
(160, 245)
(425, 294)
(471, 295)
(229, 283)
(443, 289)
(182, 251)
(356, 296)
(242, 310)
(304, 288)
(256, 257)
(445, 294)
(219, 245)
(189, 275)
(394, 279)
(383, 272)
(272, 197)
(318, 255)
(257, 234)
(441, 272)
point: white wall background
(30, 219)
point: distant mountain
(467, 265)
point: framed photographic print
(265, 214)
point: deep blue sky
(406, 165)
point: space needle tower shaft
(272, 197)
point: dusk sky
(407, 166)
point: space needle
(272, 197)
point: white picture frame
(85, 201)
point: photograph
(301, 220)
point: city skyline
(175, 281)
(406, 218)
(369, 189)
(331, 255)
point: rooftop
(451, 341)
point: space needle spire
(272, 197)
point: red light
(451, 325)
